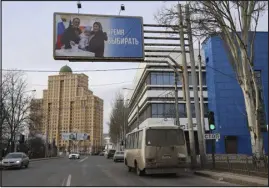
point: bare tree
(16, 106)
(117, 118)
(35, 118)
(236, 23)
(3, 117)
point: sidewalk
(234, 178)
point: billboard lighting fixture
(79, 5)
(122, 7)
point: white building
(152, 99)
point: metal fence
(242, 164)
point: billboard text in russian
(98, 37)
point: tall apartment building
(69, 106)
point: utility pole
(195, 90)
(47, 139)
(176, 100)
(123, 131)
(186, 82)
(137, 116)
(201, 96)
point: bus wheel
(138, 171)
(129, 168)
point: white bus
(156, 149)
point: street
(94, 171)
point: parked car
(15, 159)
(101, 153)
(74, 156)
(118, 156)
(110, 153)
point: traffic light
(211, 121)
(22, 139)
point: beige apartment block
(69, 106)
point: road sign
(215, 136)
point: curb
(42, 159)
(230, 180)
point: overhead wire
(98, 85)
(93, 70)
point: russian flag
(60, 27)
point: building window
(205, 110)
(168, 110)
(193, 110)
(164, 78)
(182, 110)
(204, 78)
(153, 79)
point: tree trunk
(256, 139)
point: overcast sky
(27, 43)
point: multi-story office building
(152, 100)
(69, 106)
(225, 97)
(150, 104)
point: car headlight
(18, 161)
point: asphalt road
(94, 171)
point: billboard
(75, 136)
(97, 37)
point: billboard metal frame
(111, 59)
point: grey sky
(27, 43)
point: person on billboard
(72, 137)
(84, 38)
(85, 136)
(71, 34)
(97, 40)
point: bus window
(135, 140)
(140, 134)
(127, 142)
(164, 137)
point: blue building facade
(225, 97)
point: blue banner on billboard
(98, 37)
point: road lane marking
(84, 169)
(83, 159)
(63, 183)
(68, 182)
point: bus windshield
(165, 137)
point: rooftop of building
(65, 69)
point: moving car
(118, 156)
(110, 153)
(74, 156)
(15, 159)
